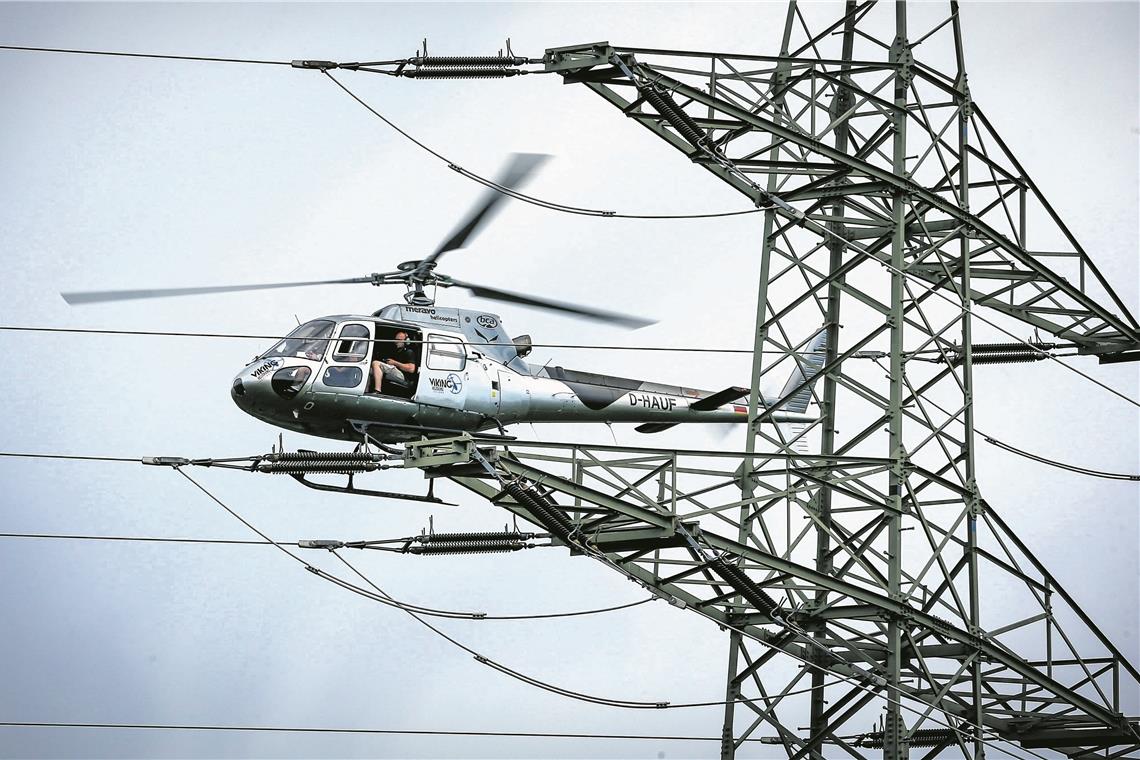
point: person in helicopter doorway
(399, 369)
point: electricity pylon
(894, 210)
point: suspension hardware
(923, 737)
(490, 542)
(318, 462)
(1005, 353)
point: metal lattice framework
(895, 210)
(672, 520)
(860, 139)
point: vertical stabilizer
(808, 365)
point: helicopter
(327, 378)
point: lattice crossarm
(640, 534)
(706, 104)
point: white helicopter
(458, 369)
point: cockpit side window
(353, 345)
(309, 341)
(446, 353)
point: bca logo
(486, 320)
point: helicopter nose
(268, 390)
(241, 394)
(252, 392)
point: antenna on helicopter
(417, 274)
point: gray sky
(125, 173)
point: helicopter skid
(429, 497)
(394, 432)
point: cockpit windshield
(308, 341)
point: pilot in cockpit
(400, 368)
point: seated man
(400, 368)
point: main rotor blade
(98, 296)
(600, 315)
(520, 167)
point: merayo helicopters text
(416, 369)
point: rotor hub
(418, 297)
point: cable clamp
(319, 65)
(788, 208)
(874, 678)
(166, 461)
(320, 543)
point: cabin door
(444, 375)
(346, 361)
(513, 397)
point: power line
(577, 346)
(845, 241)
(150, 539)
(381, 595)
(1044, 460)
(584, 211)
(249, 336)
(478, 657)
(146, 55)
(455, 167)
(995, 740)
(557, 206)
(1060, 465)
(522, 196)
(1076, 469)
(391, 602)
(774, 209)
(936, 291)
(568, 209)
(373, 731)
(69, 456)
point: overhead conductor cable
(995, 741)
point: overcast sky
(126, 173)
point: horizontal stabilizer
(654, 427)
(706, 404)
(720, 398)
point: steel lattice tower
(897, 217)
